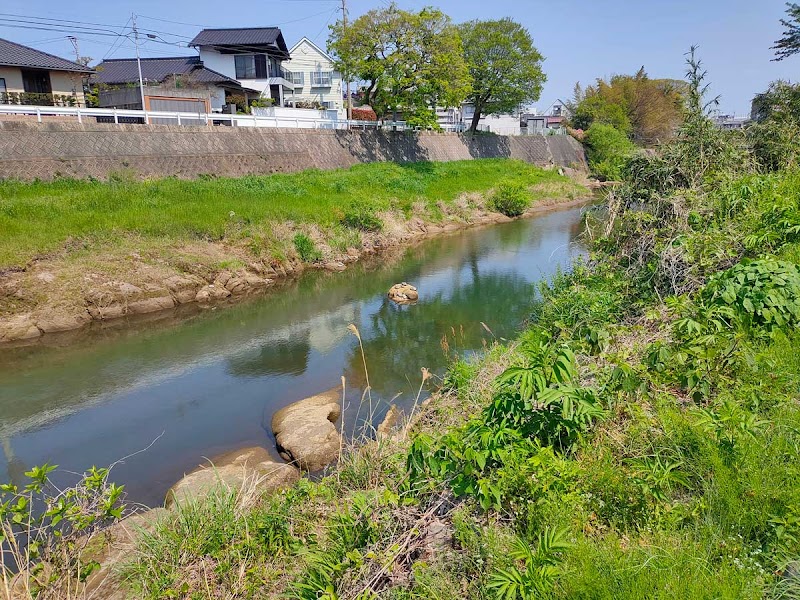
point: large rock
(403, 293)
(59, 320)
(111, 547)
(19, 327)
(149, 305)
(305, 431)
(232, 470)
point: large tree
(505, 66)
(789, 44)
(647, 109)
(408, 62)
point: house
(316, 82)
(252, 56)
(179, 83)
(29, 76)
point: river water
(167, 393)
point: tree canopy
(505, 67)
(409, 62)
(789, 44)
(646, 109)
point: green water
(201, 382)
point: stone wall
(48, 150)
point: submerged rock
(403, 293)
(231, 471)
(305, 431)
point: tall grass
(42, 217)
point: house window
(3, 89)
(251, 66)
(295, 77)
(321, 79)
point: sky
(580, 39)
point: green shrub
(510, 198)
(762, 293)
(608, 150)
(361, 215)
(306, 249)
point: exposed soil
(70, 290)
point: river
(167, 393)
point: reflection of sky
(213, 383)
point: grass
(40, 218)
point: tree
(775, 135)
(505, 66)
(649, 110)
(407, 61)
(789, 44)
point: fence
(113, 115)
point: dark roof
(17, 55)
(243, 39)
(124, 70)
(252, 36)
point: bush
(306, 249)
(608, 150)
(763, 293)
(510, 198)
(360, 215)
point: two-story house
(252, 56)
(315, 81)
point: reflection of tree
(281, 357)
(401, 340)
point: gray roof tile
(17, 55)
(254, 36)
(124, 70)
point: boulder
(148, 305)
(111, 547)
(403, 293)
(231, 471)
(390, 421)
(305, 431)
(211, 292)
(19, 327)
(60, 320)
(183, 288)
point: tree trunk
(476, 116)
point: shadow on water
(211, 382)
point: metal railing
(113, 115)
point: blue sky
(581, 39)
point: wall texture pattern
(57, 149)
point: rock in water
(305, 431)
(403, 293)
(232, 470)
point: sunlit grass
(41, 217)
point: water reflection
(211, 383)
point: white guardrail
(113, 115)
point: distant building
(253, 56)
(730, 122)
(30, 76)
(180, 84)
(315, 81)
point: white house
(315, 81)
(252, 56)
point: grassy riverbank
(76, 251)
(43, 218)
(639, 440)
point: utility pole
(138, 63)
(347, 75)
(74, 41)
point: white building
(315, 81)
(252, 56)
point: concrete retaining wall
(48, 150)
